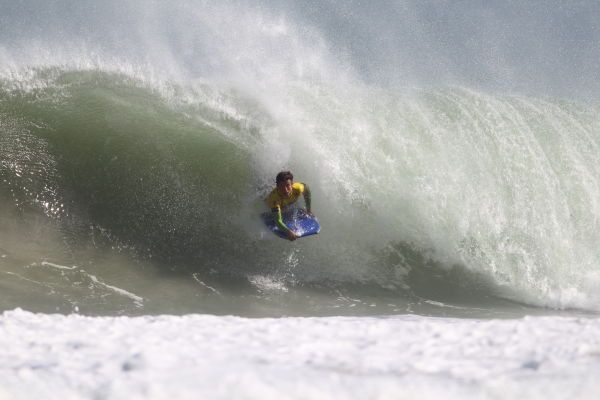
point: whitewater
(456, 185)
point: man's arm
(279, 221)
(306, 195)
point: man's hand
(291, 235)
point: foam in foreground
(201, 356)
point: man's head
(284, 181)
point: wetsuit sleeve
(306, 194)
(279, 219)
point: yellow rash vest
(276, 202)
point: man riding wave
(286, 193)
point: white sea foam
(139, 301)
(210, 357)
(49, 264)
(212, 289)
(268, 283)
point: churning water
(450, 176)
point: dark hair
(283, 176)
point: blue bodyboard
(297, 220)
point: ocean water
(453, 154)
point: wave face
(131, 181)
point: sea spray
(151, 136)
(485, 183)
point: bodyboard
(297, 220)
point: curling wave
(446, 195)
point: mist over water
(452, 153)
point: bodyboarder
(286, 193)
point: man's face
(285, 188)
